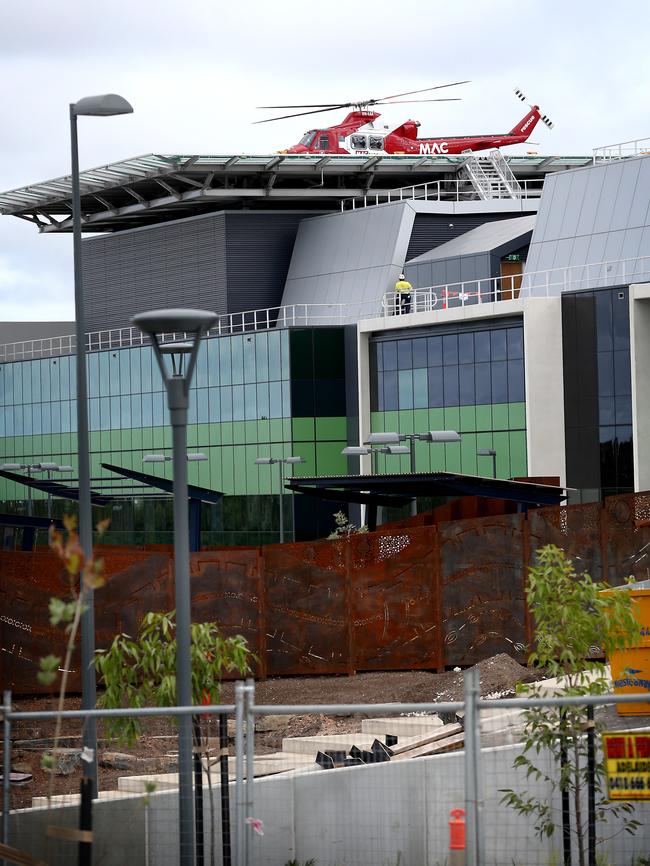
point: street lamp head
(155, 458)
(355, 451)
(397, 449)
(184, 321)
(179, 348)
(486, 452)
(265, 461)
(294, 460)
(382, 439)
(196, 458)
(12, 467)
(104, 105)
(46, 467)
(440, 436)
(64, 469)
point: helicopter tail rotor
(544, 118)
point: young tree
(343, 527)
(572, 617)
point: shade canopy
(104, 105)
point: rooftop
(156, 188)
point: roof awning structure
(154, 188)
(54, 488)
(200, 494)
(395, 490)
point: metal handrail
(622, 150)
(456, 190)
(534, 284)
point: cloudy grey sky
(194, 71)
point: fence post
(250, 770)
(473, 798)
(6, 764)
(240, 827)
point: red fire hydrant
(457, 838)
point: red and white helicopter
(360, 134)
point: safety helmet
(401, 276)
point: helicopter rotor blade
(407, 101)
(316, 105)
(302, 113)
(424, 90)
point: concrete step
(335, 742)
(401, 726)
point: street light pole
(93, 106)
(195, 323)
(489, 452)
(269, 461)
(280, 464)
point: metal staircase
(491, 176)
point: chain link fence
(396, 785)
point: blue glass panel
(450, 350)
(114, 409)
(483, 383)
(55, 382)
(136, 410)
(605, 373)
(201, 372)
(436, 395)
(147, 411)
(27, 383)
(622, 378)
(249, 359)
(284, 345)
(125, 411)
(516, 387)
(238, 413)
(146, 358)
(237, 354)
(482, 346)
(420, 352)
(36, 380)
(226, 404)
(202, 405)
(159, 412)
(450, 379)
(136, 373)
(466, 391)
(92, 371)
(434, 351)
(390, 355)
(515, 341)
(286, 399)
(420, 388)
(250, 402)
(263, 406)
(225, 361)
(405, 387)
(55, 419)
(498, 349)
(261, 358)
(391, 399)
(113, 374)
(27, 420)
(214, 403)
(275, 359)
(212, 348)
(275, 400)
(379, 396)
(124, 359)
(621, 319)
(466, 348)
(192, 414)
(606, 411)
(499, 381)
(623, 409)
(66, 416)
(102, 360)
(404, 355)
(73, 416)
(37, 424)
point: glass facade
(469, 379)
(271, 393)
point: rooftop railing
(532, 284)
(438, 190)
(622, 150)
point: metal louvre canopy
(429, 484)
(201, 494)
(154, 188)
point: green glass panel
(158, 438)
(420, 420)
(252, 470)
(250, 432)
(484, 440)
(405, 423)
(499, 416)
(452, 457)
(329, 460)
(470, 464)
(518, 455)
(147, 439)
(516, 416)
(484, 417)
(391, 422)
(422, 457)
(437, 459)
(227, 433)
(286, 430)
(303, 429)
(502, 447)
(436, 419)
(227, 470)
(263, 431)
(306, 450)
(239, 457)
(276, 433)
(215, 434)
(266, 479)
(331, 428)
(238, 432)
(167, 437)
(452, 419)
(467, 421)
(376, 421)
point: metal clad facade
(432, 230)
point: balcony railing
(622, 150)
(534, 284)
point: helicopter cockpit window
(359, 142)
(323, 141)
(307, 138)
(376, 143)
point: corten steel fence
(380, 792)
(402, 598)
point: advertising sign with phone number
(627, 765)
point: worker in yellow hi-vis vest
(403, 291)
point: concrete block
(401, 726)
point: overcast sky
(195, 70)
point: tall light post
(489, 452)
(194, 324)
(105, 105)
(165, 458)
(30, 468)
(269, 461)
(411, 438)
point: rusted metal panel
(306, 613)
(394, 600)
(574, 528)
(628, 537)
(482, 588)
